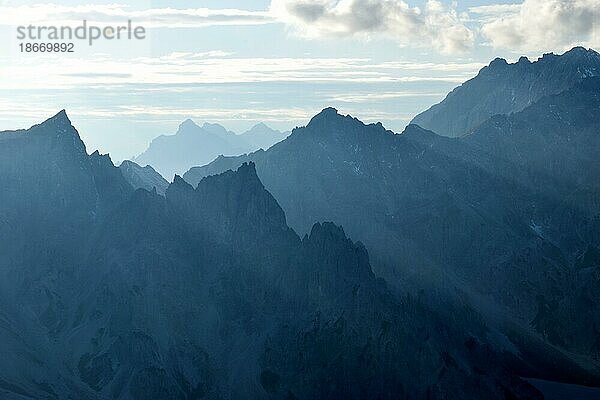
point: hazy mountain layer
(194, 145)
(261, 136)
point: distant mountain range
(503, 88)
(197, 145)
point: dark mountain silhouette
(194, 145)
(500, 214)
(205, 293)
(503, 88)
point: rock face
(143, 177)
(501, 215)
(194, 145)
(503, 88)
(205, 293)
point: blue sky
(278, 61)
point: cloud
(362, 98)
(436, 26)
(97, 75)
(540, 25)
(531, 26)
(217, 67)
(46, 14)
(494, 10)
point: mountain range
(195, 145)
(343, 262)
(506, 215)
(116, 293)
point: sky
(241, 62)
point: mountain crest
(243, 180)
(498, 62)
(59, 123)
(330, 120)
(58, 129)
(187, 126)
(61, 116)
(326, 115)
(235, 204)
(503, 88)
(179, 183)
(582, 51)
(102, 158)
(248, 170)
(260, 125)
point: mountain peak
(259, 128)
(218, 130)
(62, 115)
(248, 170)
(326, 115)
(190, 146)
(178, 181)
(582, 57)
(187, 125)
(178, 187)
(244, 178)
(415, 131)
(327, 228)
(59, 126)
(576, 54)
(262, 136)
(260, 125)
(498, 62)
(235, 201)
(329, 111)
(60, 119)
(102, 158)
(580, 50)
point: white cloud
(531, 26)
(540, 25)
(435, 26)
(494, 10)
(54, 14)
(361, 98)
(178, 69)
